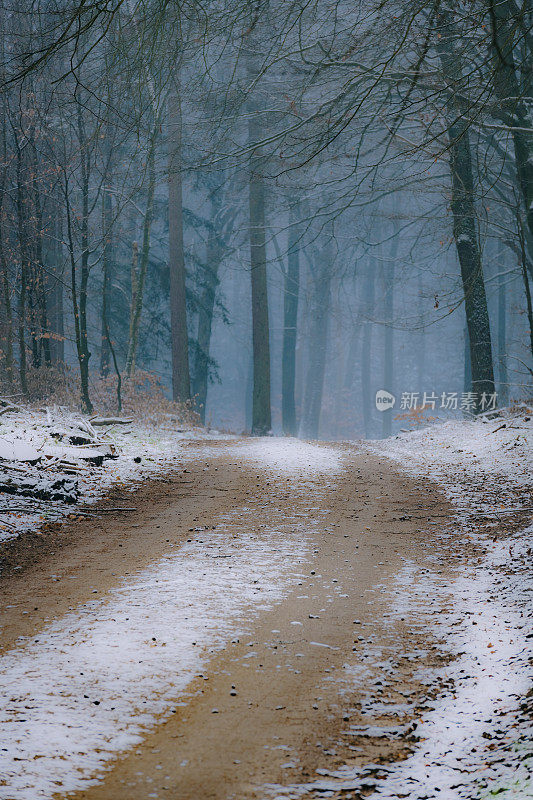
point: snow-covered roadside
(91, 684)
(43, 447)
(474, 743)
(474, 460)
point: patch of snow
(490, 678)
(14, 448)
(452, 450)
(289, 456)
(471, 744)
(93, 683)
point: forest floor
(280, 619)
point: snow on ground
(474, 744)
(68, 693)
(92, 683)
(37, 446)
(288, 456)
(470, 744)
(462, 451)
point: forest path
(256, 619)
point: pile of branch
(62, 489)
(41, 453)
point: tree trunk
(366, 371)
(107, 269)
(73, 278)
(134, 273)
(54, 260)
(502, 340)
(351, 356)
(205, 316)
(261, 413)
(529, 306)
(7, 345)
(23, 277)
(249, 394)
(464, 221)
(138, 281)
(388, 343)
(290, 322)
(317, 344)
(421, 343)
(83, 349)
(467, 372)
(513, 106)
(525, 277)
(40, 279)
(181, 386)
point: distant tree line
(147, 146)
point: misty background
(274, 209)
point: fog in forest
(276, 210)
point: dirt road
(291, 669)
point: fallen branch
(110, 510)
(504, 511)
(100, 422)
(7, 409)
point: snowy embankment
(475, 460)
(52, 460)
(475, 742)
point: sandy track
(328, 676)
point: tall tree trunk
(502, 340)
(291, 291)
(83, 350)
(249, 394)
(107, 270)
(4, 275)
(181, 384)
(40, 277)
(139, 279)
(514, 104)
(317, 344)
(8, 332)
(73, 279)
(366, 350)
(338, 350)
(388, 343)
(529, 305)
(205, 314)
(33, 312)
(421, 343)
(467, 371)
(261, 401)
(54, 259)
(525, 277)
(134, 273)
(464, 219)
(261, 413)
(23, 284)
(351, 356)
